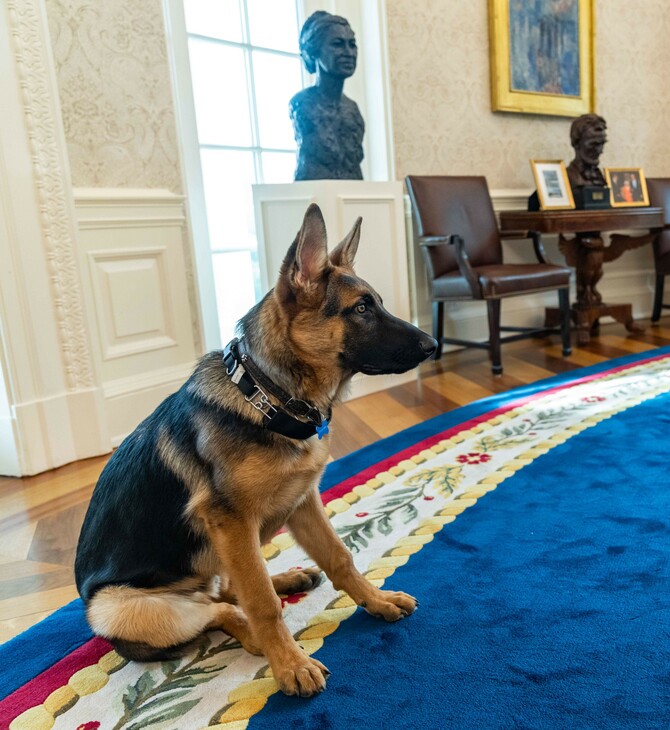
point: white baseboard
(70, 427)
(9, 458)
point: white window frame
(370, 82)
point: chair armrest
(461, 257)
(434, 240)
(464, 266)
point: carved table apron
(587, 253)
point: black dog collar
(254, 384)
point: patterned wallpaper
(442, 118)
(116, 97)
(117, 106)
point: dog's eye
(361, 308)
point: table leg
(587, 319)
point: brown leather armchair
(659, 195)
(455, 226)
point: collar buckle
(305, 410)
(260, 401)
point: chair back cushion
(659, 195)
(446, 204)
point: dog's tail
(138, 651)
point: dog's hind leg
(297, 581)
(154, 624)
(232, 621)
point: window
(235, 67)
(245, 67)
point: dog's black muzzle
(395, 346)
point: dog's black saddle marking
(295, 418)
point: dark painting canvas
(544, 46)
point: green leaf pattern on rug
(152, 700)
(445, 479)
(399, 507)
(526, 430)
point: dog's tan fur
(266, 487)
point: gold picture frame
(519, 80)
(628, 187)
(553, 186)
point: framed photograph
(553, 187)
(627, 186)
(542, 56)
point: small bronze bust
(328, 125)
(588, 137)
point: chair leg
(658, 298)
(564, 306)
(493, 306)
(438, 327)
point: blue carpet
(547, 605)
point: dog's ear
(311, 256)
(306, 263)
(345, 252)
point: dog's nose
(429, 345)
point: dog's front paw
(305, 677)
(390, 605)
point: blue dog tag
(322, 430)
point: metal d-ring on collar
(254, 384)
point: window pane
(216, 18)
(278, 167)
(220, 93)
(234, 284)
(273, 24)
(227, 178)
(276, 80)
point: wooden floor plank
(457, 388)
(349, 432)
(386, 417)
(580, 357)
(37, 602)
(40, 516)
(18, 624)
(625, 343)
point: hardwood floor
(40, 516)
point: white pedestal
(382, 254)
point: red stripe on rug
(35, 691)
(370, 472)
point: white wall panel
(382, 253)
(133, 247)
(132, 301)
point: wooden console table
(587, 253)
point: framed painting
(628, 186)
(553, 187)
(542, 56)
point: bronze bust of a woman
(328, 125)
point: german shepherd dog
(171, 544)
